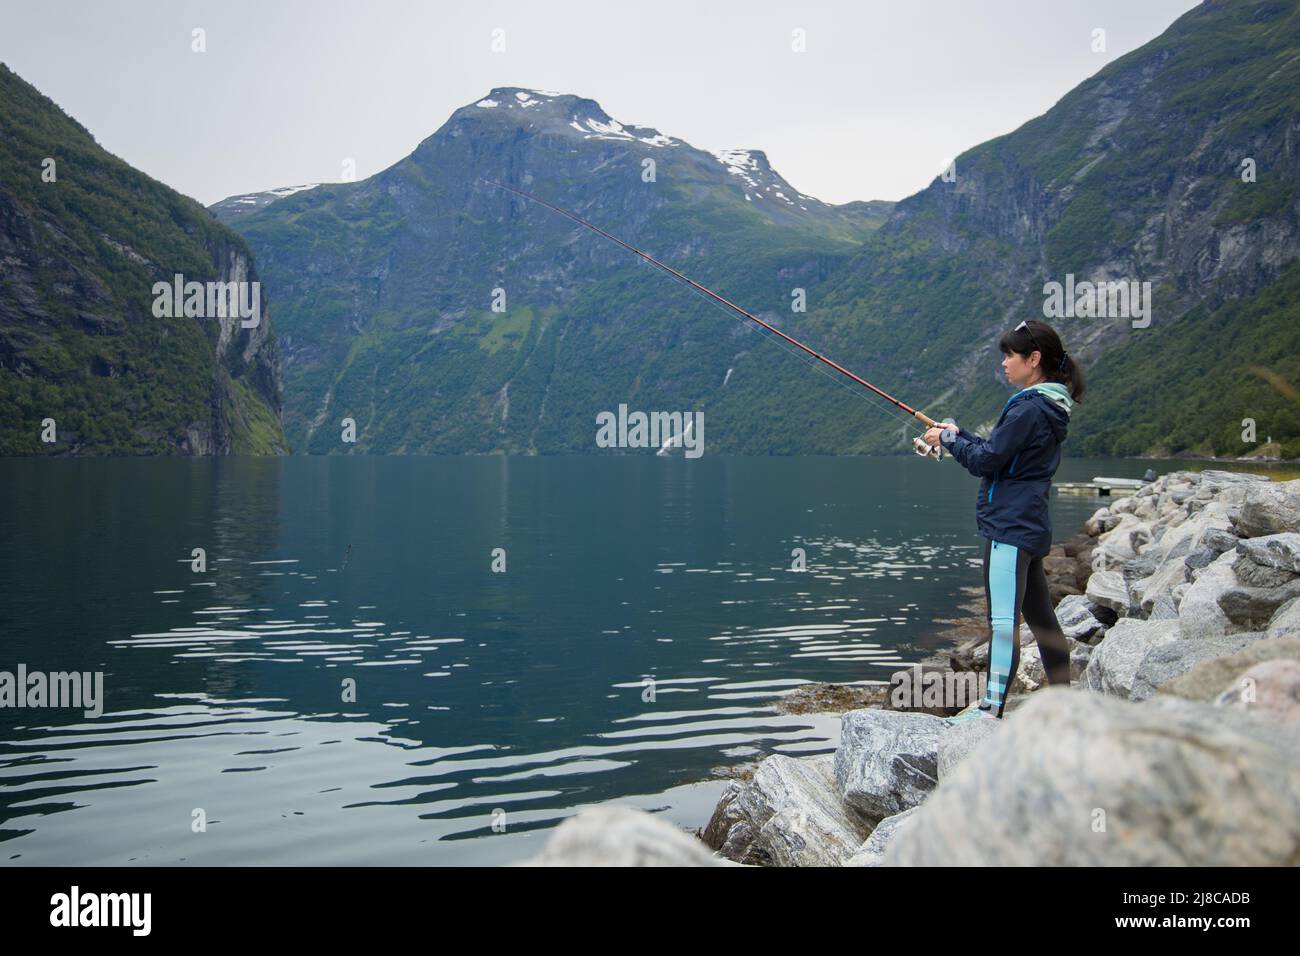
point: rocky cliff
(84, 358)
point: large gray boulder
(789, 814)
(1077, 621)
(963, 739)
(1270, 688)
(887, 761)
(1208, 679)
(1199, 614)
(1146, 593)
(622, 836)
(1280, 551)
(1255, 607)
(872, 852)
(1107, 589)
(1285, 621)
(1169, 661)
(1124, 542)
(1113, 666)
(1270, 508)
(1079, 779)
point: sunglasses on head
(1025, 326)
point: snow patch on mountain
(290, 190)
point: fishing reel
(925, 450)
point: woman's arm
(985, 458)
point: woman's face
(1021, 371)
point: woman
(1017, 463)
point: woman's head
(1032, 352)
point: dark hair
(1035, 335)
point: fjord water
(488, 706)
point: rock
(1057, 589)
(1194, 534)
(1223, 479)
(1220, 540)
(1199, 614)
(789, 814)
(1146, 592)
(1271, 688)
(1124, 542)
(1106, 589)
(961, 739)
(924, 688)
(1259, 575)
(1115, 661)
(978, 658)
(1286, 621)
(1208, 679)
(1273, 550)
(1080, 654)
(1074, 614)
(872, 852)
(887, 762)
(1270, 508)
(1166, 662)
(622, 836)
(1253, 608)
(1030, 673)
(1101, 521)
(1073, 546)
(1078, 779)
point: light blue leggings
(1015, 585)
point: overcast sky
(883, 95)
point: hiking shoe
(975, 713)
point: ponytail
(1069, 374)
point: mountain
(233, 208)
(83, 240)
(1134, 175)
(384, 288)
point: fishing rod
(918, 443)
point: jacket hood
(1055, 392)
(1056, 403)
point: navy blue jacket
(1016, 463)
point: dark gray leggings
(1015, 586)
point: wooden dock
(1101, 487)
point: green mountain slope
(79, 343)
(1133, 175)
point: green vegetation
(78, 340)
(1186, 387)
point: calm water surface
(489, 706)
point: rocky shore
(1178, 743)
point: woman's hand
(932, 434)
